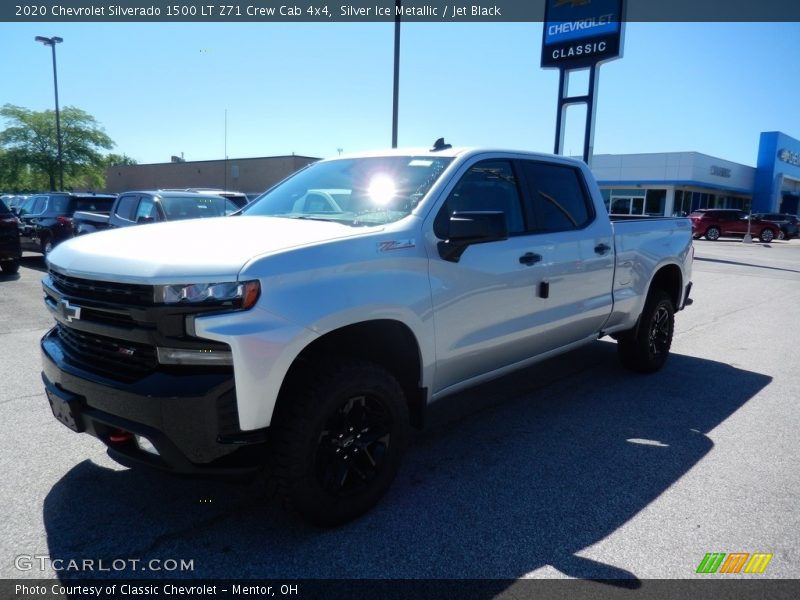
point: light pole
(52, 41)
(398, 4)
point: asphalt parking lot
(573, 468)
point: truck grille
(123, 361)
(105, 291)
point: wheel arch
(668, 278)
(388, 343)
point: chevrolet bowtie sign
(69, 311)
(581, 33)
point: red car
(714, 223)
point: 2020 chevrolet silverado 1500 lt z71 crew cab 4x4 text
(309, 331)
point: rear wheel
(340, 434)
(767, 235)
(712, 233)
(646, 347)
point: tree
(30, 142)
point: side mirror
(467, 228)
(143, 220)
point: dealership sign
(581, 33)
(789, 157)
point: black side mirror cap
(467, 228)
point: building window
(655, 202)
(683, 203)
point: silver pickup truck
(303, 336)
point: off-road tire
(646, 347)
(339, 434)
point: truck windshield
(354, 191)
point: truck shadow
(517, 474)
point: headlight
(236, 294)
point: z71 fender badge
(396, 245)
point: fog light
(181, 356)
(146, 445)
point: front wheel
(46, 245)
(646, 347)
(340, 434)
(9, 267)
(767, 235)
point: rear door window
(558, 199)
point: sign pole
(580, 35)
(591, 112)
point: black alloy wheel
(339, 433)
(646, 348)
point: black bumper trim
(178, 414)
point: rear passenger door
(576, 273)
(546, 286)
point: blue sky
(311, 88)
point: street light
(398, 5)
(52, 41)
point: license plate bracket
(65, 408)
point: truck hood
(194, 251)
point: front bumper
(189, 416)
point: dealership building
(669, 183)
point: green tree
(30, 142)
(111, 160)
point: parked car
(10, 251)
(789, 224)
(136, 208)
(714, 223)
(46, 219)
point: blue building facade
(777, 180)
(680, 182)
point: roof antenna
(440, 145)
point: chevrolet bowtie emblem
(68, 311)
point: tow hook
(120, 436)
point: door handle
(530, 258)
(602, 248)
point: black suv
(10, 251)
(47, 218)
